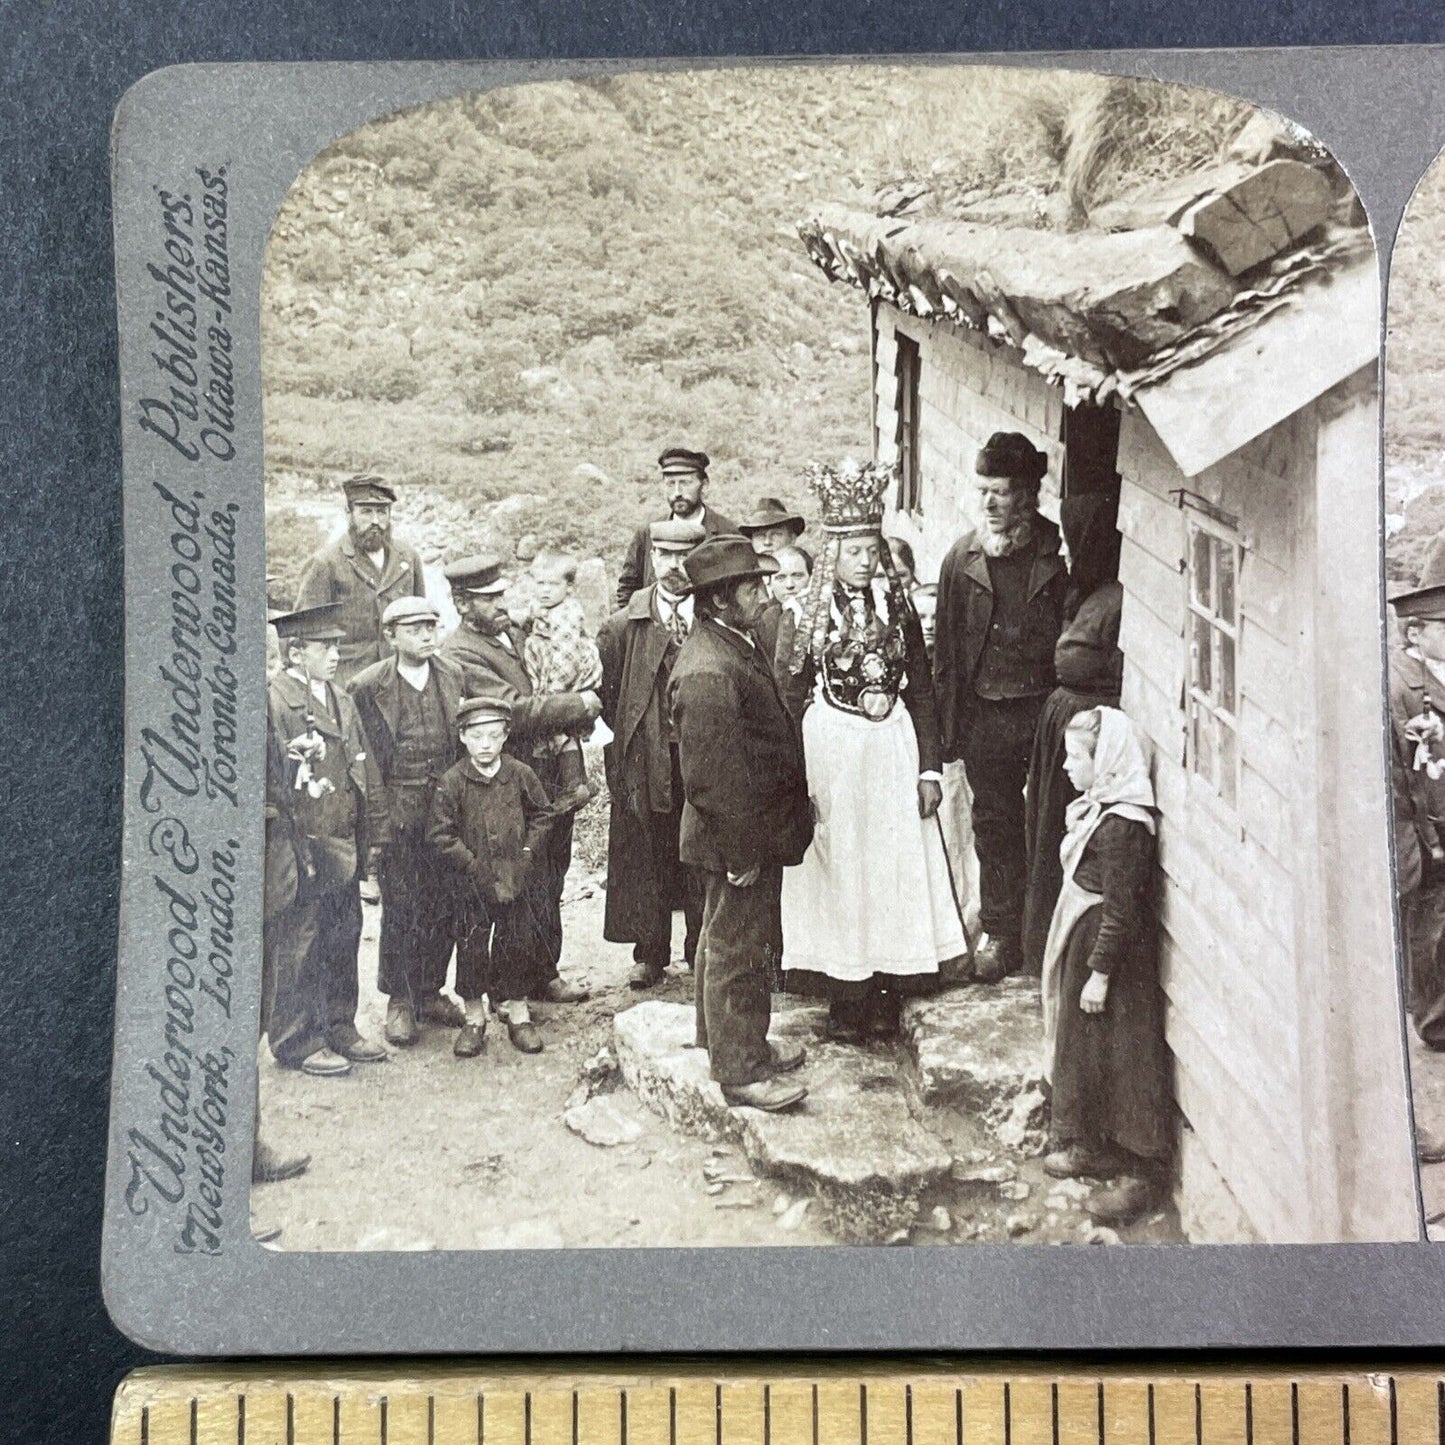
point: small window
(1213, 638)
(910, 479)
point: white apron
(872, 894)
(1074, 902)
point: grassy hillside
(510, 303)
(1415, 382)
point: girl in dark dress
(1104, 1050)
(1088, 667)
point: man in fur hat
(1000, 611)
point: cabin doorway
(1091, 455)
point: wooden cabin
(1222, 377)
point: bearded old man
(1001, 593)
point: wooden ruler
(839, 1403)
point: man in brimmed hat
(312, 1017)
(771, 525)
(684, 477)
(489, 821)
(491, 651)
(408, 704)
(771, 528)
(645, 878)
(363, 570)
(1000, 610)
(745, 818)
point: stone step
(978, 1050)
(854, 1140)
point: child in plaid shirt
(561, 657)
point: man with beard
(487, 647)
(408, 704)
(745, 818)
(684, 474)
(1000, 611)
(364, 570)
(645, 878)
(311, 1024)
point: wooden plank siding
(1227, 892)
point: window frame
(1205, 700)
(908, 374)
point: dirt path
(433, 1152)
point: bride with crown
(870, 914)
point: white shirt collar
(416, 676)
(737, 632)
(318, 688)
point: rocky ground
(615, 1135)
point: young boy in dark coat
(489, 821)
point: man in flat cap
(363, 570)
(684, 477)
(408, 704)
(745, 817)
(646, 880)
(1000, 611)
(489, 821)
(489, 649)
(312, 1019)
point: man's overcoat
(339, 573)
(637, 653)
(965, 617)
(741, 754)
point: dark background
(62, 71)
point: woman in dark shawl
(1088, 667)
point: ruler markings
(1033, 1407)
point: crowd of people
(804, 742)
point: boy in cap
(684, 476)
(312, 1023)
(490, 650)
(364, 570)
(489, 820)
(561, 658)
(408, 704)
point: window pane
(1201, 660)
(1200, 548)
(1204, 753)
(1227, 751)
(1226, 694)
(1224, 580)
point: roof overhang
(1326, 331)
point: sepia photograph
(816, 692)
(1415, 573)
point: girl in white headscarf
(1104, 1050)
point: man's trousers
(733, 972)
(417, 924)
(313, 987)
(996, 753)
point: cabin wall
(969, 388)
(1228, 876)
